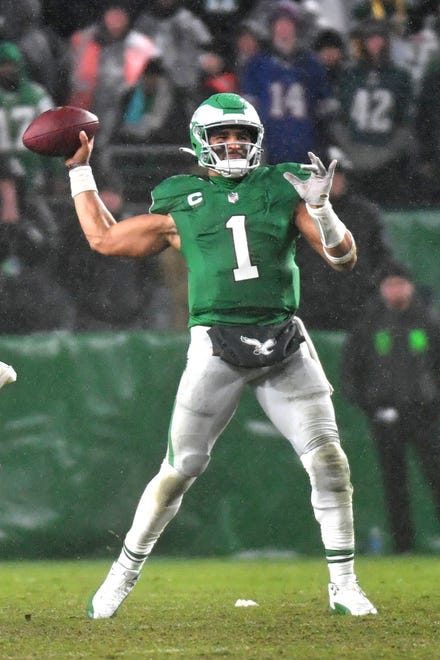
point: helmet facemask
(223, 111)
(223, 156)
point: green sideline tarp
(415, 240)
(85, 426)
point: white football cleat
(349, 599)
(7, 374)
(112, 592)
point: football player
(236, 227)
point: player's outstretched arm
(317, 220)
(341, 257)
(137, 236)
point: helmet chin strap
(234, 168)
(229, 168)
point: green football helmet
(220, 111)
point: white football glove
(7, 374)
(316, 189)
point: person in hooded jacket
(108, 58)
(390, 369)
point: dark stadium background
(65, 17)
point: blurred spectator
(216, 77)
(110, 294)
(390, 368)
(32, 300)
(108, 57)
(222, 18)
(427, 124)
(146, 108)
(412, 35)
(28, 175)
(183, 40)
(335, 301)
(331, 50)
(413, 49)
(290, 89)
(374, 126)
(43, 50)
(9, 208)
(308, 10)
(333, 15)
(249, 42)
(398, 11)
(394, 11)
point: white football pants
(295, 396)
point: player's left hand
(316, 189)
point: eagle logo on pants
(265, 348)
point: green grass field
(186, 609)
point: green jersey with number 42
(239, 240)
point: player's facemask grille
(227, 159)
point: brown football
(56, 131)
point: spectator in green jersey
(374, 125)
(32, 299)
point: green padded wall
(415, 239)
(85, 426)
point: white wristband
(81, 180)
(331, 228)
(345, 258)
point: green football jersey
(375, 102)
(17, 110)
(239, 239)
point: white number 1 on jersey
(244, 270)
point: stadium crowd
(355, 79)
